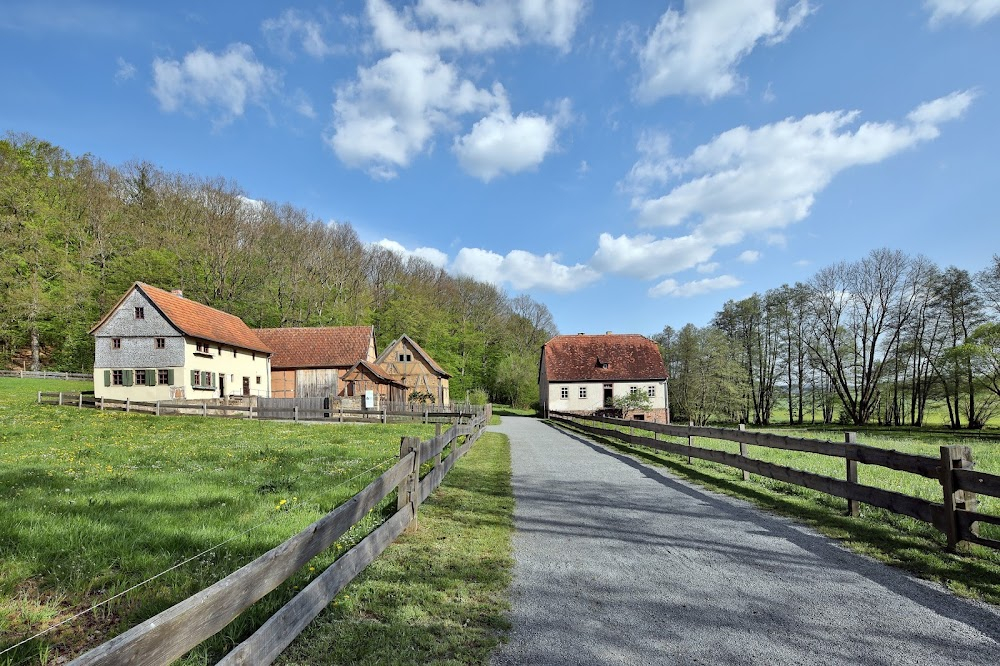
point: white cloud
(393, 110)
(225, 81)
(300, 101)
(292, 27)
(432, 26)
(523, 270)
(709, 267)
(694, 288)
(431, 255)
(761, 180)
(696, 52)
(749, 256)
(971, 11)
(501, 143)
(126, 70)
(646, 257)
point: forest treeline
(76, 232)
(869, 341)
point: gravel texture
(617, 562)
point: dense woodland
(876, 340)
(75, 233)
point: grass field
(439, 595)
(891, 538)
(96, 502)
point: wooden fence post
(60, 399)
(952, 458)
(39, 393)
(80, 400)
(743, 451)
(853, 506)
(409, 487)
(157, 407)
(690, 441)
(102, 403)
(385, 415)
(295, 412)
(204, 407)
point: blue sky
(630, 164)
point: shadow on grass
(892, 539)
(437, 595)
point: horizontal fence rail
(46, 374)
(169, 635)
(956, 516)
(295, 409)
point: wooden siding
(415, 374)
(282, 383)
(318, 383)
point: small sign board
(369, 399)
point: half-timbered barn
(365, 376)
(157, 345)
(406, 362)
(311, 362)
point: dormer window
(602, 364)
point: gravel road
(620, 563)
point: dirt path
(620, 563)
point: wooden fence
(167, 636)
(289, 409)
(956, 516)
(28, 374)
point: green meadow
(98, 502)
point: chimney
(178, 293)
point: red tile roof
(574, 358)
(200, 321)
(375, 371)
(320, 347)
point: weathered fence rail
(167, 636)
(30, 374)
(295, 409)
(956, 516)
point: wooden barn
(311, 362)
(406, 362)
(365, 376)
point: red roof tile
(200, 321)
(574, 358)
(375, 371)
(319, 347)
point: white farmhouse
(585, 373)
(158, 345)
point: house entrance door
(246, 386)
(609, 399)
(222, 385)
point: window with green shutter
(151, 378)
(129, 378)
(170, 376)
(195, 376)
(107, 378)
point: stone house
(406, 362)
(585, 373)
(157, 345)
(311, 362)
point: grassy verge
(438, 595)
(897, 540)
(96, 502)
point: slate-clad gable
(137, 337)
